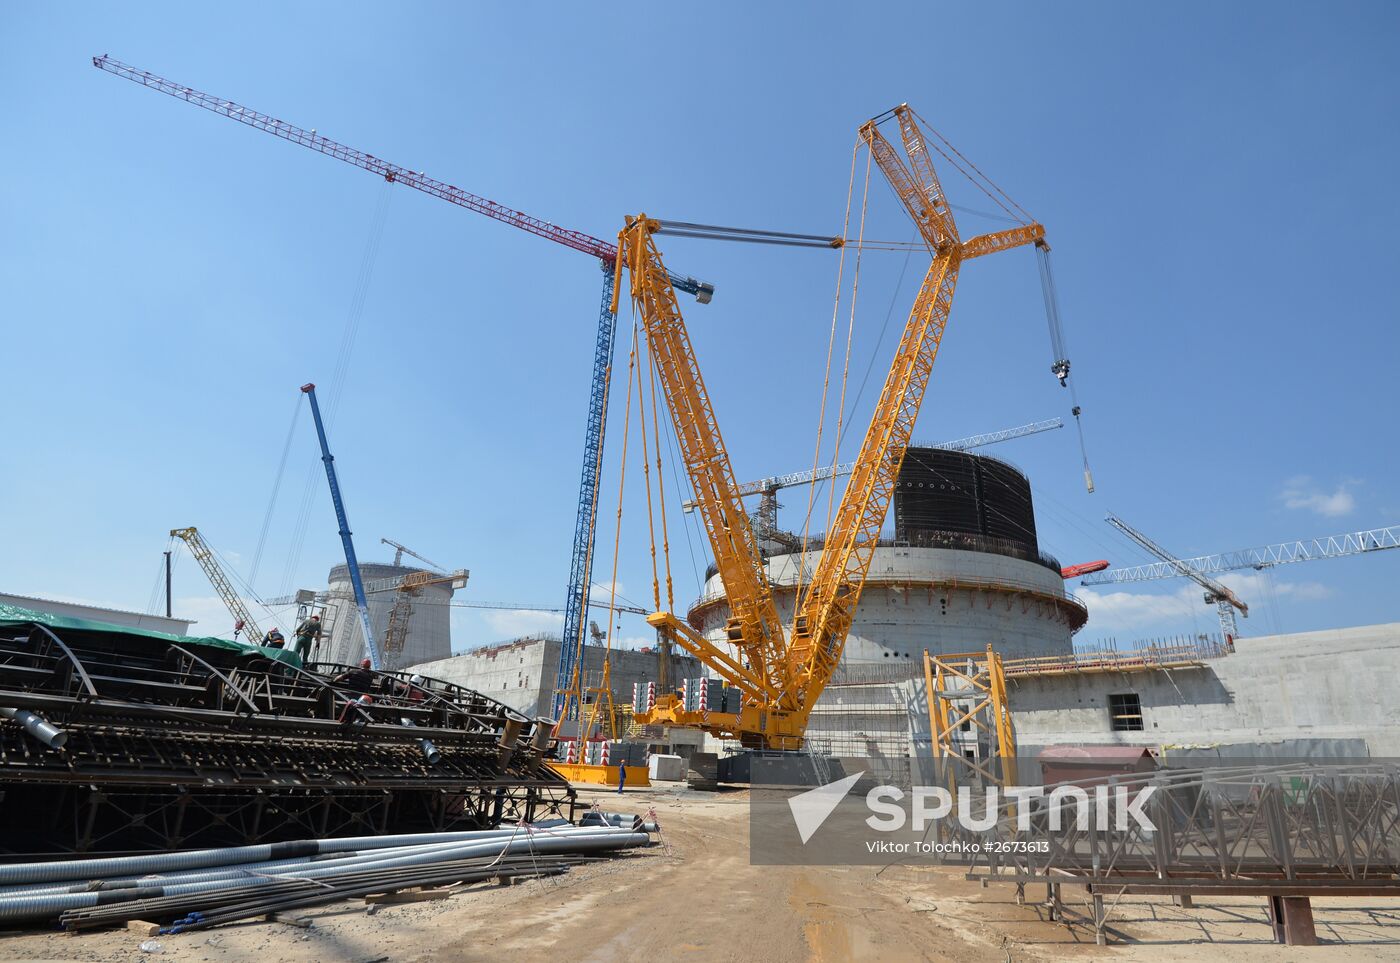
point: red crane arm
(393, 172)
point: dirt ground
(695, 897)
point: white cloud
(1302, 493)
(633, 643)
(1254, 585)
(208, 614)
(210, 617)
(1119, 611)
(601, 592)
(1128, 611)
(513, 623)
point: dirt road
(695, 897)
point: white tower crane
(1266, 556)
(1224, 600)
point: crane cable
(661, 483)
(1060, 367)
(850, 333)
(646, 477)
(333, 393)
(576, 690)
(276, 487)
(826, 376)
(981, 181)
(159, 585)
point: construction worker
(360, 679)
(621, 778)
(274, 639)
(308, 632)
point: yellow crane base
(601, 775)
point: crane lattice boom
(1267, 556)
(577, 601)
(1225, 601)
(782, 676)
(242, 620)
(392, 172)
(401, 550)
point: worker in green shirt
(307, 633)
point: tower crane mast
(782, 673)
(1225, 601)
(243, 620)
(576, 602)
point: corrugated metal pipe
(37, 726)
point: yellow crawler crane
(781, 672)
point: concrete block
(668, 768)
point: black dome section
(941, 493)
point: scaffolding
(973, 738)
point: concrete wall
(1324, 694)
(137, 620)
(1329, 692)
(929, 598)
(522, 673)
(429, 626)
(510, 673)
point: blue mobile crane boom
(345, 539)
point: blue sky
(1217, 181)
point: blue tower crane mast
(604, 251)
(581, 558)
(345, 538)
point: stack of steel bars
(196, 889)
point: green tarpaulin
(14, 615)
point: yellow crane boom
(204, 555)
(781, 674)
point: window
(1125, 712)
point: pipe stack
(192, 890)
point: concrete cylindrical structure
(943, 600)
(964, 571)
(429, 634)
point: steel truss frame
(1290, 826)
(1285, 832)
(170, 746)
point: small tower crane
(1225, 601)
(401, 550)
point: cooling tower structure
(429, 634)
(964, 570)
